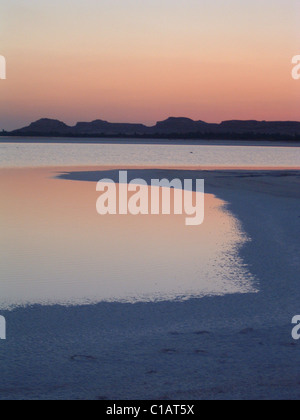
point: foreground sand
(236, 346)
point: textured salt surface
(229, 347)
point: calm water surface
(55, 248)
(20, 155)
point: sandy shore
(231, 347)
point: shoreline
(234, 170)
(148, 141)
(252, 197)
(230, 347)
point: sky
(146, 60)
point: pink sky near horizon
(133, 61)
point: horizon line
(147, 125)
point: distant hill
(99, 127)
(44, 125)
(183, 128)
(181, 125)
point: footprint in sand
(82, 358)
(169, 351)
(202, 333)
(247, 331)
(202, 352)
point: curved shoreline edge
(231, 347)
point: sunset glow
(142, 61)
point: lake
(155, 155)
(56, 249)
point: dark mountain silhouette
(278, 127)
(100, 126)
(180, 125)
(45, 125)
(177, 128)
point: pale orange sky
(142, 61)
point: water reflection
(198, 154)
(55, 248)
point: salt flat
(237, 346)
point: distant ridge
(175, 128)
